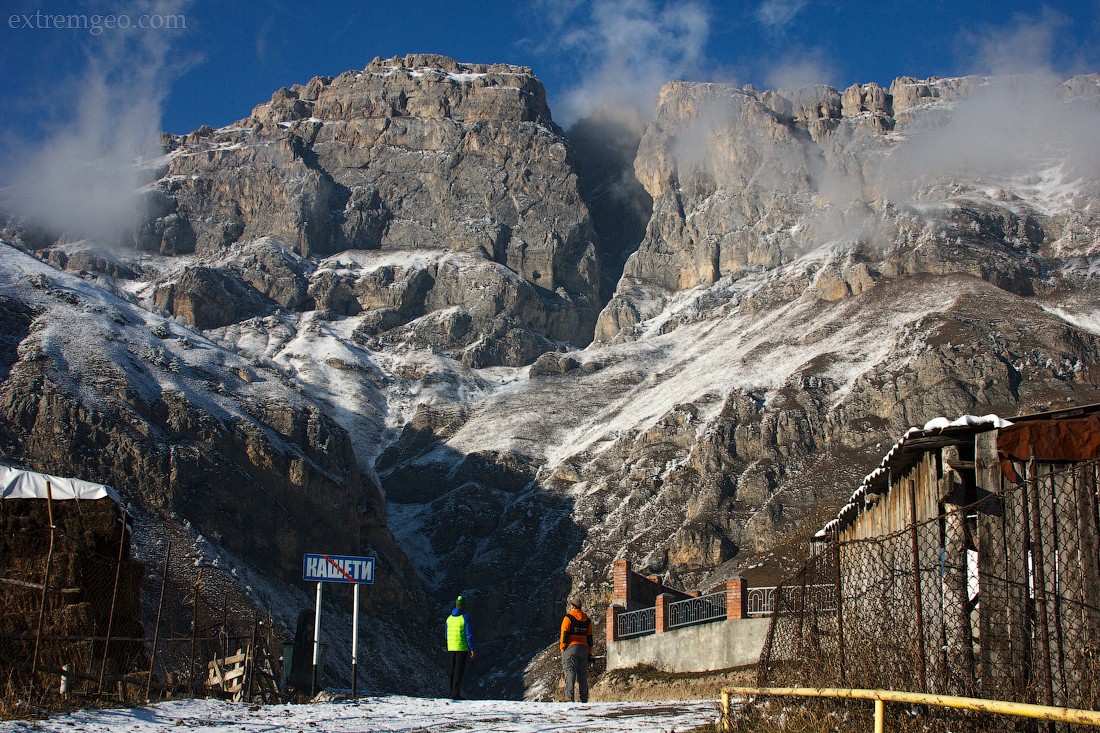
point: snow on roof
(965, 421)
(19, 484)
(933, 427)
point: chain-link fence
(79, 620)
(999, 599)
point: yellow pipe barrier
(1001, 707)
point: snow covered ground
(392, 714)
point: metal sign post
(354, 641)
(321, 568)
(316, 642)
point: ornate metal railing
(760, 601)
(701, 609)
(636, 623)
(822, 596)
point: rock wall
(413, 153)
(744, 180)
(210, 447)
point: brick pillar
(619, 585)
(736, 598)
(613, 612)
(661, 623)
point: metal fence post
(114, 600)
(45, 584)
(250, 659)
(156, 627)
(918, 596)
(1037, 562)
(839, 611)
(802, 643)
(225, 624)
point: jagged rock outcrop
(416, 153)
(743, 180)
(203, 443)
(766, 203)
(215, 440)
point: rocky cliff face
(932, 177)
(358, 299)
(410, 154)
(861, 261)
(821, 271)
(206, 446)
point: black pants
(458, 668)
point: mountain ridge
(401, 260)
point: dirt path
(649, 684)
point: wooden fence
(997, 599)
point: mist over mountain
(402, 312)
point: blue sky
(233, 54)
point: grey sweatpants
(574, 662)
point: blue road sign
(321, 568)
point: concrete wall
(700, 648)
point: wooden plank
(1042, 568)
(1018, 624)
(958, 636)
(237, 658)
(996, 598)
(228, 674)
(216, 679)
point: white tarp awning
(17, 484)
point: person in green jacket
(460, 645)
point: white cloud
(809, 70)
(627, 49)
(1024, 46)
(777, 14)
(83, 180)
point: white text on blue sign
(338, 569)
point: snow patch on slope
(1085, 321)
(702, 362)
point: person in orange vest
(575, 642)
(460, 645)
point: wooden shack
(978, 541)
(70, 601)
